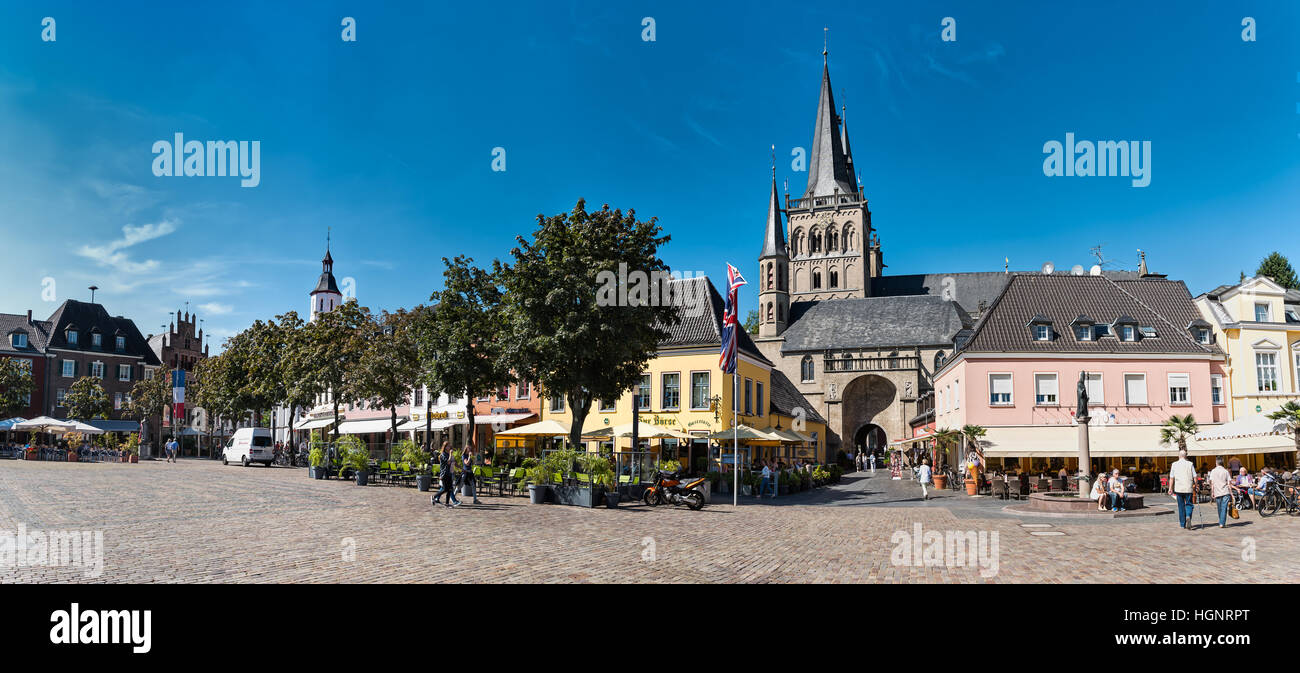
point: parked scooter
(668, 489)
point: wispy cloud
(699, 130)
(111, 254)
(216, 309)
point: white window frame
(59, 395)
(956, 394)
(97, 370)
(96, 340)
(1055, 377)
(117, 401)
(1187, 389)
(1042, 332)
(647, 400)
(124, 369)
(19, 340)
(73, 337)
(1259, 370)
(1083, 332)
(1146, 392)
(1216, 390)
(63, 370)
(523, 390)
(1128, 333)
(663, 390)
(1295, 383)
(1011, 386)
(1204, 336)
(557, 404)
(606, 406)
(708, 388)
(1099, 399)
(1268, 311)
(119, 343)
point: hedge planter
(320, 472)
(577, 496)
(422, 482)
(783, 489)
(611, 499)
(536, 494)
(362, 477)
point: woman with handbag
(1221, 491)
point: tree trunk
(469, 414)
(335, 431)
(293, 450)
(579, 406)
(428, 423)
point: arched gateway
(867, 401)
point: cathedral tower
(773, 272)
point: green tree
(462, 340)
(1279, 269)
(217, 388)
(150, 397)
(751, 322)
(1290, 415)
(390, 365)
(566, 333)
(16, 385)
(331, 346)
(422, 333)
(1177, 430)
(86, 399)
(297, 386)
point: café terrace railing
(871, 364)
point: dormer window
(1083, 328)
(1127, 333)
(120, 343)
(1203, 335)
(1125, 328)
(18, 339)
(1040, 328)
(1262, 313)
(1149, 332)
(96, 340)
(72, 337)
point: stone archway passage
(871, 438)
(869, 399)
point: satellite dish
(1076, 270)
(1048, 268)
(1095, 270)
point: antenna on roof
(1101, 259)
(92, 289)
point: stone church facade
(861, 346)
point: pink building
(1017, 371)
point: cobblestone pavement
(197, 521)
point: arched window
(817, 280)
(815, 241)
(849, 243)
(834, 278)
(939, 359)
(769, 311)
(771, 276)
(796, 242)
(832, 239)
(806, 369)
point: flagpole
(735, 426)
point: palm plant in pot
(355, 456)
(419, 459)
(533, 475)
(316, 463)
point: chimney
(29, 316)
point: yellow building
(684, 389)
(1257, 323)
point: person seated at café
(1118, 494)
(1265, 477)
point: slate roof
(1061, 298)
(1169, 298)
(828, 168)
(873, 322)
(967, 289)
(785, 398)
(774, 233)
(705, 327)
(88, 317)
(38, 333)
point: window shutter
(1002, 385)
(1135, 389)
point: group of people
(447, 476)
(864, 461)
(771, 469)
(1109, 489)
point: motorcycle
(669, 489)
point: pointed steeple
(774, 239)
(828, 167)
(844, 139)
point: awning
(115, 426)
(910, 440)
(8, 423)
(1257, 425)
(1241, 446)
(314, 424)
(369, 425)
(490, 419)
(1062, 441)
(546, 428)
(418, 426)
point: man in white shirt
(1221, 489)
(1182, 483)
(923, 476)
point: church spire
(844, 137)
(774, 239)
(828, 167)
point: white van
(248, 445)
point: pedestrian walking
(1221, 489)
(923, 475)
(446, 478)
(1182, 485)
(467, 473)
(872, 458)
(171, 449)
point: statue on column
(1081, 413)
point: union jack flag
(730, 322)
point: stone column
(1085, 459)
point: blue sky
(389, 140)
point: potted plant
(355, 456)
(602, 475)
(417, 457)
(532, 474)
(317, 461)
(783, 483)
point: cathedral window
(806, 369)
(769, 311)
(832, 241)
(796, 242)
(815, 241)
(848, 238)
(817, 280)
(834, 279)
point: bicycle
(1276, 497)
